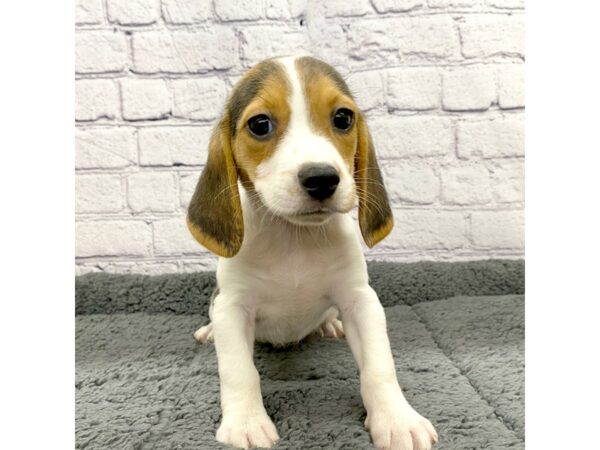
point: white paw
(332, 328)
(204, 334)
(402, 429)
(247, 430)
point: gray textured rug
(456, 329)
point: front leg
(245, 422)
(393, 423)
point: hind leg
(204, 334)
(332, 327)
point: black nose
(319, 180)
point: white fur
(290, 279)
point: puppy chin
(310, 219)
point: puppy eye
(343, 119)
(260, 125)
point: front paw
(247, 430)
(400, 429)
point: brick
(484, 36)
(172, 237)
(112, 238)
(410, 182)
(333, 46)
(186, 11)
(385, 41)
(173, 146)
(384, 6)
(398, 137)
(414, 89)
(497, 229)
(511, 86)
(427, 230)
(152, 192)
(184, 51)
(187, 185)
(469, 89)
(502, 137)
(145, 99)
(199, 99)
(508, 180)
(100, 51)
(278, 9)
(452, 3)
(367, 88)
(88, 12)
(96, 99)
(230, 10)
(262, 42)
(98, 194)
(133, 12)
(344, 8)
(105, 148)
(466, 185)
(507, 4)
(298, 7)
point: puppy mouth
(313, 217)
(320, 212)
(316, 212)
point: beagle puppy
(287, 162)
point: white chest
(287, 277)
(290, 293)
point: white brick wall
(441, 82)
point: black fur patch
(312, 66)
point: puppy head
(294, 137)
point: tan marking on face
(325, 92)
(271, 99)
(325, 95)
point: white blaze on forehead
(299, 117)
(302, 143)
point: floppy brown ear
(374, 214)
(214, 214)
